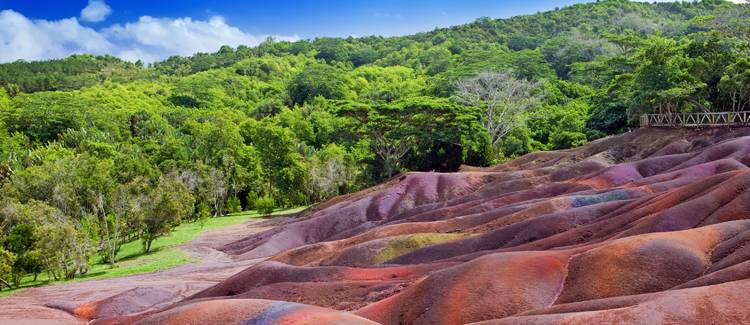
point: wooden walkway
(695, 119)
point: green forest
(97, 152)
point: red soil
(647, 227)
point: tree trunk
(115, 241)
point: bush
(567, 139)
(252, 197)
(6, 263)
(265, 205)
(204, 213)
(234, 205)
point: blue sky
(305, 18)
(153, 30)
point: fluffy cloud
(22, 38)
(96, 11)
(182, 36)
(148, 39)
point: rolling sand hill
(648, 227)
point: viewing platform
(678, 120)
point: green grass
(404, 244)
(165, 252)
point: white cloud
(181, 36)
(148, 39)
(22, 38)
(96, 11)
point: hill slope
(650, 226)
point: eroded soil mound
(649, 227)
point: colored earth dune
(650, 227)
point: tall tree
(663, 79)
(506, 101)
(126, 215)
(168, 204)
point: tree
(427, 134)
(506, 100)
(391, 151)
(386, 84)
(265, 205)
(564, 50)
(62, 243)
(127, 215)
(283, 166)
(730, 20)
(317, 80)
(167, 205)
(530, 65)
(4, 99)
(43, 238)
(332, 49)
(64, 249)
(20, 242)
(234, 205)
(7, 259)
(735, 85)
(363, 55)
(663, 79)
(331, 170)
(44, 117)
(219, 191)
(711, 54)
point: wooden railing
(695, 119)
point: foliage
(234, 205)
(7, 259)
(74, 72)
(317, 80)
(265, 205)
(170, 202)
(165, 252)
(252, 198)
(507, 102)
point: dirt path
(29, 306)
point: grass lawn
(165, 252)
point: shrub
(252, 197)
(204, 213)
(265, 205)
(6, 263)
(234, 205)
